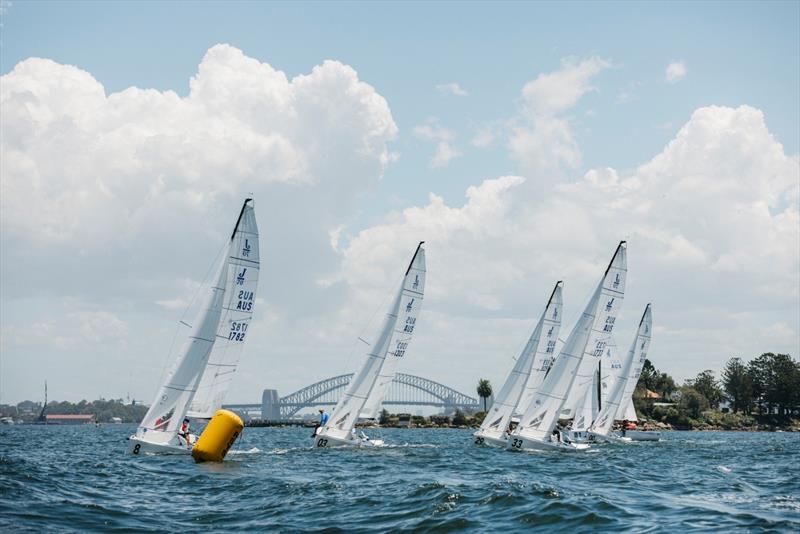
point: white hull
(519, 443)
(137, 445)
(643, 435)
(321, 441)
(610, 438)
(578, 436)
(487, 439)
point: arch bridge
(406, 390)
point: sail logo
(415, 285)
(246, 249)
(410, 305)
(646, 329)
(616, 281)
(550, 332)
(610, 304)
(555, 313)
(240, 277)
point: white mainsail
(414, 285)
(541, 417)
(528, 371)
(589, 405)
(392, 342)
(165, 416)
(241, 282)
(626, 409)
(611, 298)
(636, 356)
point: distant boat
(526, 375)
(537, 426)
(203, 370)
(601, 427)
(368, 387)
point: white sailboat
(526, 376)
(535, 430)
(369, 385)
(204, 368)
(582, 404)
(601, 427)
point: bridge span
(405, 391)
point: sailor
(624, 427)
(323, 418)
(184, 431)
(556, 436)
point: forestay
(392, 341)
(541, 416)
(528, 371)
(241, 282)
(636, 354)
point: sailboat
(526, 375)
(199, 378)
(601, 427)
(536, 428)
(369, 385)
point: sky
(521, 141)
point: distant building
(69, 419)
(404, 420)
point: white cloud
(714, 236)
(451, 89)
(432, 130)
(542, 140)
(675, 72)
(96, 165)
(115, 199)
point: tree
(484, 391)
(708, 387)
(459, 419)
(384, 417)
(665, 385)
(738, 384)
(691, 402)
(648, 377)
(775, 381)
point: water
(80, 479)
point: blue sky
(738, 95)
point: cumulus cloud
(675, 72)
(542, 140)
(451, 89)
(118, 198)
(432, 130)
(714, 236)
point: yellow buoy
(219, 435)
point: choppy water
(80, 479)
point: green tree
(775, 381)
(691, 402)
(738, 384)
(664, 385)
(708, 387)
(648, 376)
(459, 419)
(384, 417)
(484, 391)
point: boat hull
(138, 445)
(519, 443)
(609, 438)
(643, 435)
(322, 441)
(488, 439)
